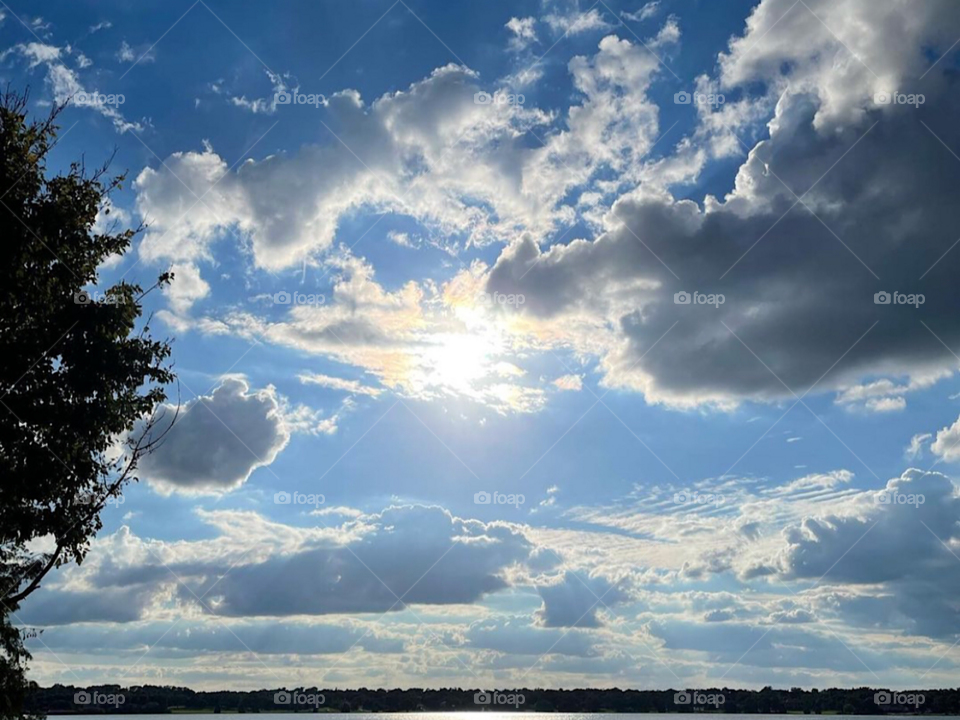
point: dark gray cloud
(188, 638)
(218, 440)
(370, 575)
(517, 636)
(897, 552)
(63, 607)
(799, 299)
(575, 600)
(422, 554)
(779, 646)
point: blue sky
(750, 492)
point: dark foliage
(156, 699)
(76, 373)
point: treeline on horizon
(59, 699)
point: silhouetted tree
(77, 373)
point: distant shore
(155, 699)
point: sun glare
(460, 361)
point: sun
(459, 361)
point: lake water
(492, 716)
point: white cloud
(425, 341)
(304, 419)
(882, 405)
(186, 288)
(947, 444)
(568, 19)
(523, 31)
(470, 156)
(290, 206)
(644, 13)
(885, 395)
(815, 482)
(253, 567)
(842, 51)
(897, 543)
(612, 297)
(110, 219)
(402, 239)
(64, 82)
(268, 105)
(569, 382)
(915, 448)
(354, 387)
(127, 54)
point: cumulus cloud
(843, 52)
(371, 574)
(733, 643)
(104, 605)
(469, 157)
(799, 279)
(186, 288)
(424, 555)
(898, 540)
(262, 638)
(218, 440)
(886, 395)
(290, 206)
(573, 601)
